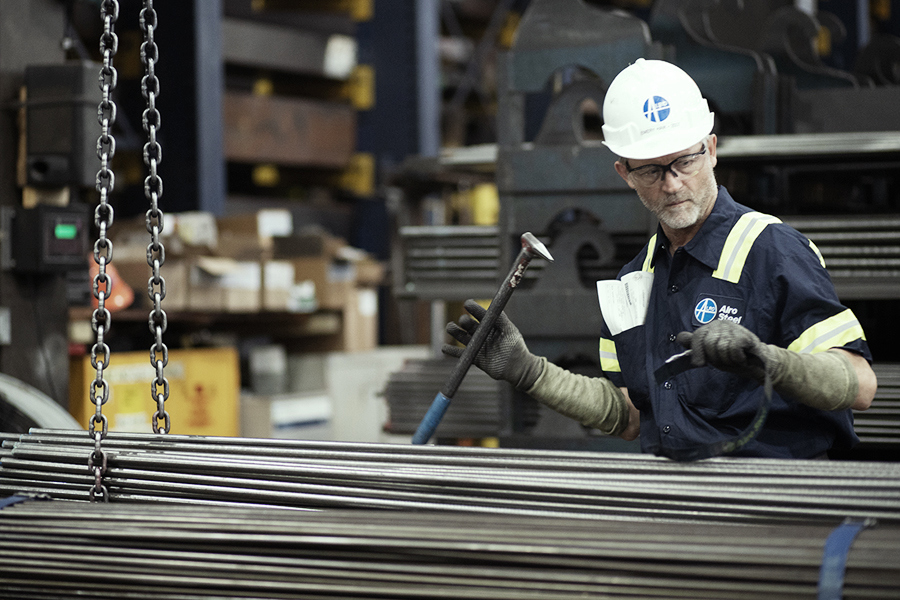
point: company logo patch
(709, 308)
(705, 311)
(656, 109)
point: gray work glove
(504, 354)
(826, 380)
(727, 346)
(592, 401)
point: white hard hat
(653, 108)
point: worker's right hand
(504, 354)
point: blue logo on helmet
(706, 310)
(656, 109)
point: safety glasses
(684, 167)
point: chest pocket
(708, 391)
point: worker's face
(679, 188)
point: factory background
(300, 194)
(340, 175)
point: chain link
(153, 189)
(103, 248)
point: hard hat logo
(653, 108)
(656, 109)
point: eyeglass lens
(683, 166)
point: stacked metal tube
(192, 517)
(144, 551)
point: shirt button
(667, 429)
(672, 337)
(673, 289)
(668, 385)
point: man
(743, 292)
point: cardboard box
(369, 272)
(249, 236)
(204, 391)
(356, 329)
(333, 280)
(360, 326)
(136, 274)
(224, 285)
(308, 243)
(277, 284)
(191, 233)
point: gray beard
(688, 216)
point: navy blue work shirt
(752, 269)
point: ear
(622, 170)
(711, 147)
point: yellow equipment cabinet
(204, 391)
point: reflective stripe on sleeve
(738, 244)
(609, 359)
(833, 332)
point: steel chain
(103, 248)
(153, 189)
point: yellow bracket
(823, 42)
(266, 175)
(359, 176)
(359, 10)
(360, 87)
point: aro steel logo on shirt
(706, 310)
(656, 109)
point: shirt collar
(707, 245)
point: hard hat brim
(664, 143)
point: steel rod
(91, 549)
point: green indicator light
(65, 231)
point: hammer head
(534, 247)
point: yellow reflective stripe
(609, 359)
(737, 245)
(819, 254)
(833, 332)
(648, 260)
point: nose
(670, 181)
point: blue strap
(16, 498)
(834, 558)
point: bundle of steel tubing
(880, 425)
(152, 551)
(475, 412)
(317, 475)
(861, 252)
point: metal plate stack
(448, 263)
(879, 427)
(862, 253)
(474, 413)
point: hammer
(531, 247)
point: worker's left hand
(504, 354)
(727, 346)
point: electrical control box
(61, 127)
(45, 239)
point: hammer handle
(441, 402)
